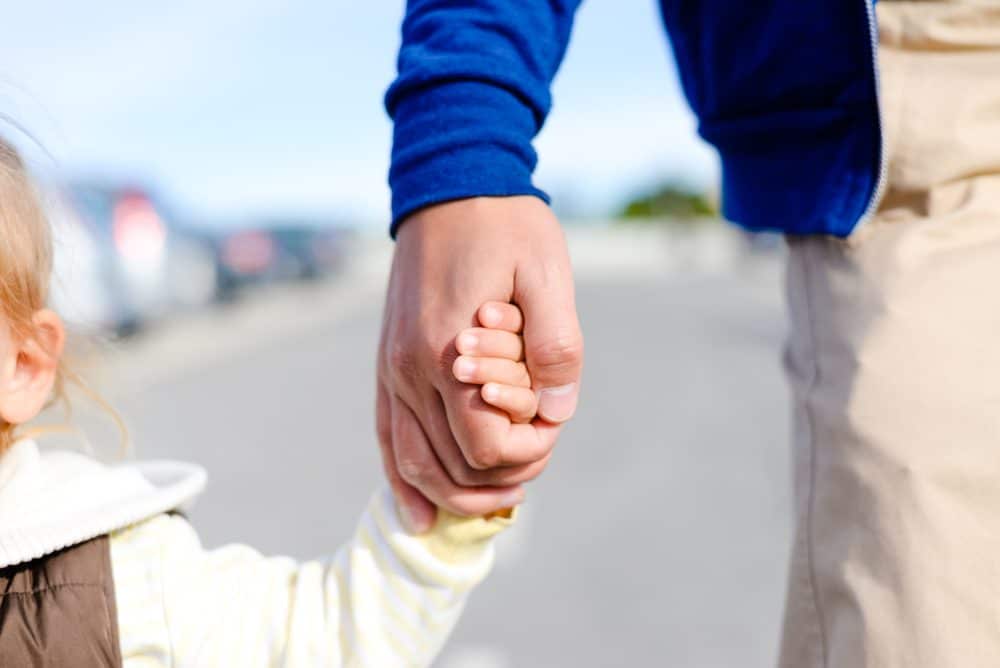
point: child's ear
(30, 368)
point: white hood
(55, 499)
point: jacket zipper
(883, 167)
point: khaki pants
(894, 364)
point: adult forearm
(471, 94)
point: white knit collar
(59, 498)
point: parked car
(278, 250)
(83, 290)
(307, 252)
(129, 249)
(246, 256)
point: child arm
(384, 599)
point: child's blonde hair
(25, 259)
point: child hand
(493, 356)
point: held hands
(449, 443)
(493, 356)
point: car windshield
(291, 237)
(95, 205)
(100, 205)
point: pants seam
(811, 434)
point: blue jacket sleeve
(471, 94)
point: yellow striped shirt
(384, 599)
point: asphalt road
(658, 537)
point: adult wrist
(460, 140)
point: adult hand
(441, 444)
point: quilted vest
(58, 611)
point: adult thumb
(553, 343)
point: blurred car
(82, 291)
(245, 256)
(122, 261)
(279, 251)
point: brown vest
(58, 611)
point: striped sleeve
(136, 563)
(384, 599)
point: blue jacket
(785, 90)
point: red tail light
(139, 233)
(249, 252)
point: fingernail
(468, 342)
(405, 518)
(556, 404)
(491, 316)
(464, 368)
(412, 524)
(512, 499)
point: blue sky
(241, 106)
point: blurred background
(215, 174)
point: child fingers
(499, 315)
(521, 403)
(481, 370)
(482, 342)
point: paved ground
(658, 536)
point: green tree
(670, 201)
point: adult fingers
(488, 438)
(450, 455)
(405, 370)
(416, 513)
(553, 344)
(420, 468)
